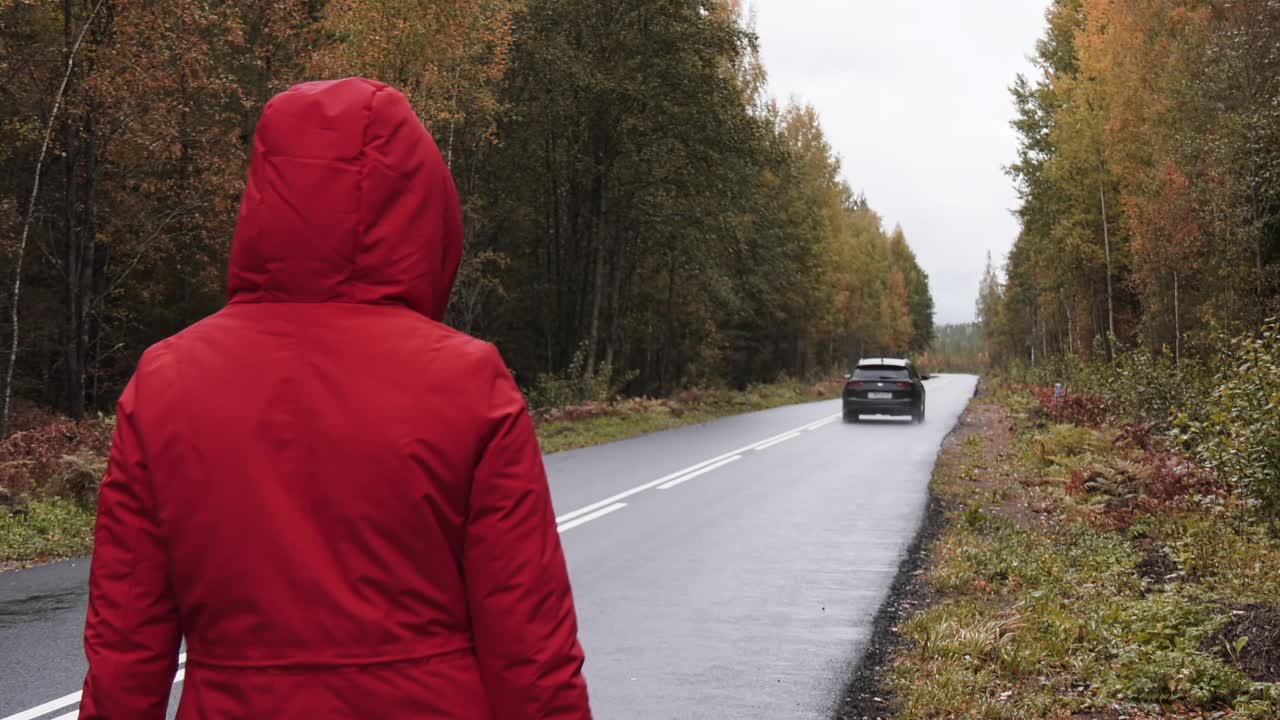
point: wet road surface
(726, 570)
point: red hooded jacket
(338, 501)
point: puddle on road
(38, 607)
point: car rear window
(880, 372)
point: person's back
(336, 499)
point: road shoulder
(1074, 569)
(868, 694)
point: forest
(1114, 517)
(1149, 176)
(641, 215)
(1146, 277)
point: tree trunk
(1071, 340)
(89, 245)
(73, 368)
(26, 227)
(1106, 243)
(598, 279)
(615, 302)
(669, 316)
(1044, 340)
(1177, 323)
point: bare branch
(26, 223)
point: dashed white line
(784, 438)
(686, 478)
(568, 521)
(73, 698)
(592, 516)
(672, 476)
(47, 708)
(824, 421)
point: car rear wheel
(851, 418)
(918, 415)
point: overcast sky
(913, 96)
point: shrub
(62, 458)
(1224, 411)
(1237, 431)
(572, 387)
(56, 527)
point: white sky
(913, 96)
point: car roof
(887, 362)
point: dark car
(884, 386)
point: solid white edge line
(73, 698)
(686, 478)
(668, 477)
(564, 522)
(46, 708)
(588, 518)
(779, 441)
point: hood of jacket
(348, 200)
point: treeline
(957, 347)
(1149, 173)
(1146, 277)
(640, 215)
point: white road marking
(827, 421)
(671, 476)
(771, 443)
(686, 478)
(568, 521)
(73, 698)
(588, 518)
(47, 708)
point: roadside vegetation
(1110, 546)
(595, 423)
(1110, 553)
(641, 216)
(50, 467)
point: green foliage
(573, 386)
(1235, 429)
(597, 423)
(1137, 384)
(45, 529)
(638, 214)
(1149, 176)
(1224, 409)
(1228, 552)
(956, 348)
(1055, 617)
(1155, 643)
(1067, 446)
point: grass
(599, 423)
(45, 529)
(48, 477)
(1068, 583)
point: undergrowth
(51, 468)
(594, 423)
(1089, 570)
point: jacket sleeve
(522, 613)
(132, 633)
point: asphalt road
(726, 570)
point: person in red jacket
(337, 500)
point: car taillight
(855, 384)
(904, 386)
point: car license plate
(879, 396)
